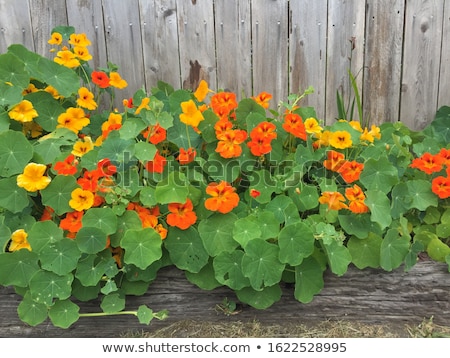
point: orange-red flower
(262, 136)
(445, 154)
(254, 193)
(72, 221)
(428, 163)
(441, 187)
(223, 103)
(356, 197)
(89, 180)
(229, 143)
(47, 214)
(186, 156)
(293, 124)
(333, 199)
(157, 164)
(181, 215)
(259, 146)
(334, 160)
(66, 167)
(224, 199)
(263, 99)
(350, 170)
(100, 78)
(155, 134)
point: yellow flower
(30, 89)
(341, 140)
(56, 39)
(201, 91)
(73, 119)
(32, 129)
(191, 114)
(53, 91)
(67, 58)
(375, 131)
(23, 112)
(371, 135)
(86, 99)
(113, 119)
(80, 148)
(312, 126)
(19, 241)
(116, 81)
(33, 178)
(81, 199)
(144, 104)
(79, 40)
(82, 53)
(356, 125)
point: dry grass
(326, 329)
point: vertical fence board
(346, 21)
(123, 42)
(87, 17)
(196, 39)
(233, 45)
(383, 60)
(15, 24)
(160, 42)
(444, 76)
(423, 34)
(307, 51)
(270, 47)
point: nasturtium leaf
(379, 207)
(12, 70)
(421, 194)
(31, 312)
(91, 268)
(9, 94)
(91, 240)
(269, 225)
(291, 215)
(60, 257)
(101, 218)
(186, 249)
(134, 288)
(379, 175)
(12, 197)
(44, 233)
(277, 206)
(412, 257)
(248, 106)
(18, 267)
(365, 252)
(142, 247)
(128, 220)
(64, 79)
(134, 273)
(228, 270)
(15, 153)
(144, 151)
(48, 109)
(394, 249)
(296, 241)
(260, 299)
(338, 257)
(144, 314)
(64, 313)
(116, 149)
(205, 278)
(219, 168)
(58, 193)
(131, 128)
(45, 286)
(113, 303)
(308, 280)
(178, 135)
(263, 182)
(109, 286)
(308, 198)
(261, 265)
(245, 230)
(437, 250)
(216, 233)
(358, 225)
(172, 189)
(443, 230)
(207, 126)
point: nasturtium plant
(98, 194)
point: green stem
(188, 137)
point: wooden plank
(196, 39)
(383, 60)
(15, 24)
(444, 74)
(270, 48)
(346, 24)
(124, 43)
(391, 298)
(421, 61)
(233, 46)
(87, 17)
(46, 15)
(307, 51)
(160, 42)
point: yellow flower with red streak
(23, 112)
(312, 126)
(33, 179)
(19, 241)
(224, 199)
(67, 58)
(56, 39)
(181, 215)
(86, 99)
(73, 119)
(79, 40)
(341, 140)
(81, 147)
(81, 199)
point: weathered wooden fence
(401, 47)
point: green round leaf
(205, 278)
(91, 268)
(438, 250)
(64, 313)
(144, 151)
(15, 153)
(338, 257)
(129, 220)
(172, 189)
(113, 303)
(142, 247)
(45, 286)
(296, 241)
(379, 206)
(101, 218)
(60, 257)
(91, 240)
(228, 270)
(144, 314)
(44, 233)
(58, 193)
(379, 175)
(12, 197)
(394, 249)
(216, 233)
(245, 230)
(308, 280)
(18, 267)
(31, 312)
(13, 70)
(260, 299)
(365, 252)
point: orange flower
(334, 160)
(202, 91)
(73, 119)
(155, 134)
(222, 126)
(81, 199)
(116, 81)
(350, 170)
(157, 164)
(100, 78)
(186, 156)
(229, 143)
(47, 214)
(191, 114)
(264, 130)
(19, 241)
(89, 181)
(263, 99)
(86, 99)
(428, 163)
(254, 193)
(445, 154)
(66, 167)
(223, 103)
(181, 215)
(33, 179)
(224, 199)
(333, 199)
(441, 187)
(259, 146)
(356, 197)
(341, 139)
(144, 105)
(293, 124)
(23, 112)
(72, 221)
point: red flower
(155, 134)
(89, 181)
(429, 163)
(350, 170)
(223, 200)
(254, 193)
(157, 164)
(100, 78)
(186, 156)
(181, 215)
(67, 166)
(441, 187)
(334, 160)
(72, 221)
(293, 124)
